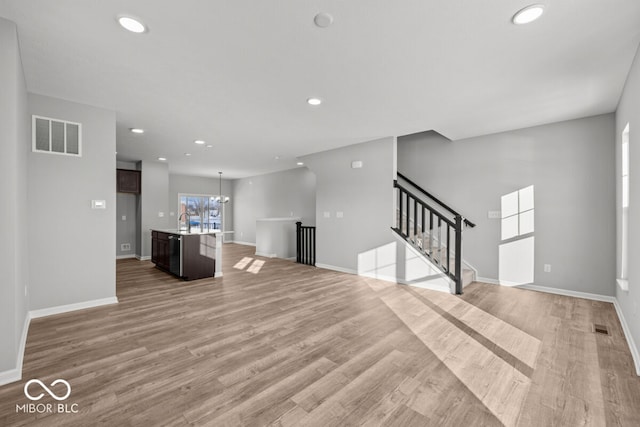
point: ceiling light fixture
(221, 199)
(187, 154)
(209, 146)
(199, 142)
(136, 130)
(162, 159)
(528, 14)
(323, 20)
(132, 24)
(314, 101)
(300, 163)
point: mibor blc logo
(54, 390)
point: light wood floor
(276, 343)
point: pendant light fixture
(221, 201)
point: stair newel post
(458, 260)
(298, 241)
(399, 222)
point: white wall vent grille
(56, 136)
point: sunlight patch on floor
(256, 266)
(240, 265)
(497, 384)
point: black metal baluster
(399, 222)
(458, 249)
(298, 243)
(430, 233)
(448, 248)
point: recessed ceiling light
(209, 146)
(131, 24)
(276, 158)
(136, 130)
(187, 154)
(528, 14)
(300, 163)
(323, 20)
(314, 101)
(199, 142)
(162, 159)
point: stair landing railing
(430, 226)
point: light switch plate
(339, 214)
(494, 214)
(98, 204)
(326, 214)
(356, 164)
(160, 214)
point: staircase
(433, 229)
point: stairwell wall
(570, 163)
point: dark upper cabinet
(128, 181)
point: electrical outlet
(339, 214)
(125, 247)
(326, 214)
(547, 268)
(124, 217)
(493, 214)
(160, 214)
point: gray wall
(571, 165)
(153, 203)
(629, 112)
(14, 137)
(71, 246)
(127, 206)
(364, 196)
(275, 195)
(200, 185)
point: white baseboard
(238, 242)
(627, 334)
(72, 307)
(565, 292)
(334, 268)
(142, 258)
(10, 376)
(125, 256)
(217, 274)
(545, 289)
(266, 255)
(15, 374)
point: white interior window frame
(34, 148)
(623, 280)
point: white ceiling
(237, 73)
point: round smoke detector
(323, 20)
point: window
(56, 136)
(517, 213)
(516, 256)
(201, 212)
(624, 240)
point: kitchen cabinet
(160, 250)
(189, 256)
(128, 181)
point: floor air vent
(600, 329)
